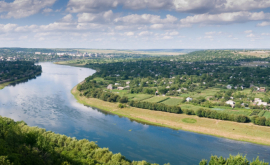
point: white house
(230, 102)
(189, 99)
(128, 82)
(110, 87)
(116, 84)
(229, 87)
(120, 88)
(259, 102)
(38, 53)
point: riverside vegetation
(21, 144)
(16, 70)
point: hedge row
(222, 116)
(156, 106)
(260, 121)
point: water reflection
(47, 102)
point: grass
(156, 99)
(239, 112)
(238, 131)
(138, 97)
(172, 101)
(188, 120)
(267, 114)
(119, 92)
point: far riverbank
(247, 132)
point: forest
(14, 70)
(24, 145)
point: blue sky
(135, 24)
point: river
(46, 102)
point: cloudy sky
(135, 24)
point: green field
(172, 101)
(238, 112)
(267, 114)
(138, 97)
(156, 99)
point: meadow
(156, 99)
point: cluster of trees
(232, 160)
(222, 116)
(21, 144)
(101, 94)
(156, 106)
(259, 120)
(10, 70)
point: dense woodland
(13, 70)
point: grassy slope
(232, 130)
(172, 101)
(156, 99)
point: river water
(46, 102)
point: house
(259, 102)
(120, 88)
(128, 82)
(37, 53)
(229, 87)
(230, 102)
(204, 83)
(189, 99)
(117, 84)
(262, 89)
(168, 87)
(110, 87)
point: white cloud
(265, 34)
(248, 31)
(7, 27)
(47, 10)
(145, 19)
(145, 33)
(251, 35)
(188, 6)
(23, 8)
(67, 18)
(129, 33)
(208, 37)
(265, 23)
(174, 33)
(167, 37)
(225, 18)
(96, 17)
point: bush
(124, 99)
(232, 160)
(121, 106)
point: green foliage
(12, 70)
(156, 106)
(221, 115)
(121, 105)
(232, 160)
